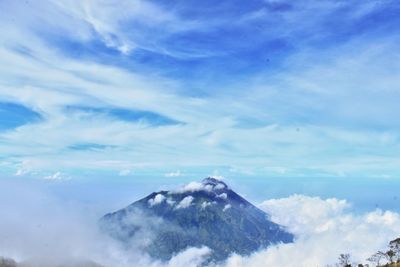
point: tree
(4, 262)
(390, 255)
(344, 260)
(376, 258)
(394, 245)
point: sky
(293, 103)
(279, 96)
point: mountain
(199, 214)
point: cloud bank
(324, 228)
(38, 229)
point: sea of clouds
(37, 229)
(324, 229)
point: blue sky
(256, 90)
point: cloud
(55, 176)
(226, 207)
(333, 98)
(88, 146)
(133, 29)
(324, 228)
(220, 186)
(190, 257)
(201, 186)
(304, 214)
(223, 196)
(125, 172)
(193, 187)
(205, 204)
(23, 168)
(20, 172)
(39, 229)
(43, 221)
(174, 174)
(159, 198)
(54, 231)
(295, 87)
(218, 177)
(171, 202)
(185, 202)
(127, 115)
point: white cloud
(303, 214)
(324, 229)
(158, 199)
(55, 176)
(205, 204)
(316, 83)
(190, 257)
(117, 31)
(23, 168)
(19, 172)
(171, 202)
(220, 186)
(217, 175)
(132, 90)
(41, 230)
(193, 187)
(186, 202)
(125, 172)
(174, 174)
(223, 196)
(349, 92)
(226, 207)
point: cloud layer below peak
(55, 231)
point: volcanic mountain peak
(208, 184)
(206, 213)
(214, 182)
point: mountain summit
(206, 213)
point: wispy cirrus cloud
(145, 117)
(191, 97)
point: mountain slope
(199, 214)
